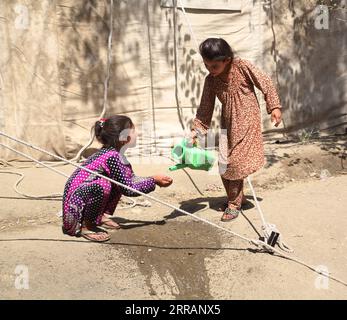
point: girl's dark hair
(109, 131)
(216, 49)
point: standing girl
(232, 81)
(89, 199)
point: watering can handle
(192, 141)
(193, 137)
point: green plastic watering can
(192, 157)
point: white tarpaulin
(53, 61)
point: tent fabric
(204, 5)
(53, 65)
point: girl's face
(132, 137)
(127, 138)
(216, 67)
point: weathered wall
(29, 89)
(311, 63)
(53, 66)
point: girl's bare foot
(94, 234)
(108, 223)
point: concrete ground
(161, 254)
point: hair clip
(102, 121)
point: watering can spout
(192, 157)
(177, 166)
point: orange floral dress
(241, 149)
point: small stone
(142, 262)
(149, 250)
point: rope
(106, 83)
(150, 53)
(255, 242)
(6, 163)
(267, 227)
(188, 23)
(42, 197)
(119, 184)
(55, 195)
(179, 108)
(78, 156)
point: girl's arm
(118, 172)
(264, 83)
(204, 113)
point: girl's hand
(191, 138)
(276, 116)
(162, 180)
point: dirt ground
(161, 254)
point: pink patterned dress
(241, 150)
(87, 196)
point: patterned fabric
(234, 189)
(87, 196)
(241, 150)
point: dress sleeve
(120, 172)
(202, 120)
(264, 83)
